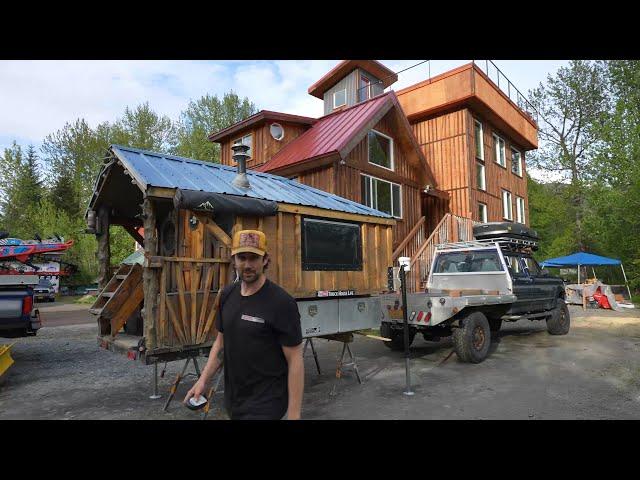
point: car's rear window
(469, 261)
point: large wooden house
(437, 156)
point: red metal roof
(330, 134)
(262, 115)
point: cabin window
(331, 245)
(340, 98)
(380, 148)
(479, 140)
(464, 262)
(246, 140)
(480, 177)
(277, 132)
(382, 195)
(364, 92)
(499, 151)
(520, 210)
(482, 212)
(516, 162)
(507, 208)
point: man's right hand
(196, 391)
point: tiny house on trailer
(328, 252)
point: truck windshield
(468, 261)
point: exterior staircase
(452, 228)
(119, 299)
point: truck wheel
(559, 321)
(472, 339)
(495, 324)
(396, 336)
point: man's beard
(252, 275)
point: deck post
(104, 250)
(150, 275)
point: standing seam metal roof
(169, 171)
(329, 134)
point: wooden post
(150, 275)
(104, 250)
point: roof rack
(505, 243)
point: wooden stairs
(119, 299)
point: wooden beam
(149, 275)
(215, 230)
(104, 250)
(321, 212)
(134, 233)
(161, 192)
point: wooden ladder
(119, 299)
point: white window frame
(334, 98)
(374, 191)
(391, 148)
(241, 141)
(478, 122)
(362, 89)
(520, 210)
(482, 187)
(497, 148)
(507, 200)
(485, 216)
(519, 172)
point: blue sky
(38, 97)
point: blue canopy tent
(579, 259)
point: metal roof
(330, 134)
(160, 170)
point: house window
(380, 149)
(246, 140)
(499, 151)
(482, 212)
(520, 210)
(516, 162)
(340, 98)
(364, 91)
(507, 208)
(479, 140)
(331, 245)
(276, 130)
(480, 178)
(382, 195)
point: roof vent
(240, 156)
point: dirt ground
(591, 373)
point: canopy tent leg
(626, 282)
(578, 274)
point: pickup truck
(473, 287)
(17, 315)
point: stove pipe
(240, 156)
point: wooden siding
(321, 178)
(264, 146)
(497, 178)
(351, 82)
(468, 86)
(443, 141)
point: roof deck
(469, 85)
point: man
(260, 340)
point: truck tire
(559, 322)
(472, 339)
(495, 324)
(396, 336)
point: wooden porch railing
(451, 228)
(412, 242)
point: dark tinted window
(329, 245)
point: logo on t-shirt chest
(250, 318)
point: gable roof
(345, 67)
(261, 116)
(338, 133)
(152, 169)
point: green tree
(204, 116)
(571, 105)
(143, 128)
